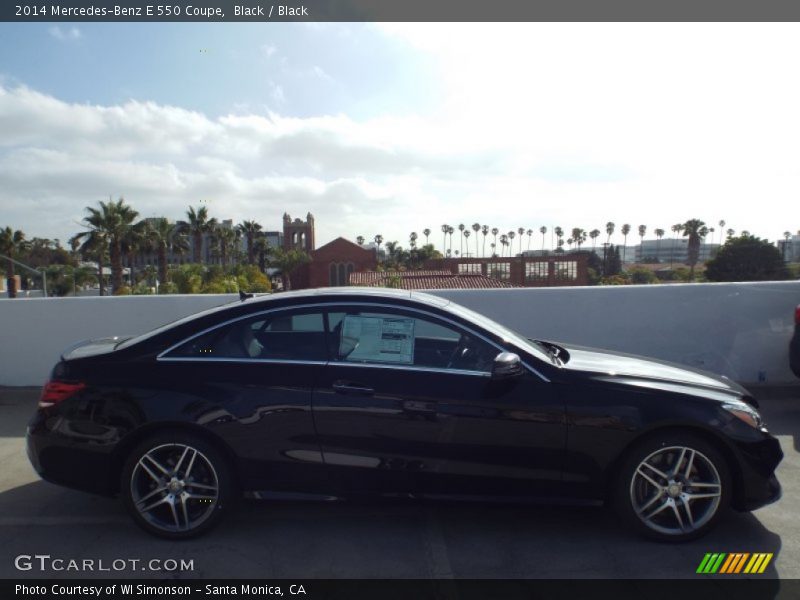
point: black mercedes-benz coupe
(348, 392)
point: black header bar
(398, 10)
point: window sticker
(377, 339)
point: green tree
(250, 229)
(288, 261)
(164, 236)
(12, 242)
(109, 225)
(640, 275)
(613, 261)
(746, 259)
(696, 230)
(92, 246)
(198, 224)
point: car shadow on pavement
(392, 539)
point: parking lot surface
(377, 540)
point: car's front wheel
(673, 487)
(176, 485)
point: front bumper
(758, 485)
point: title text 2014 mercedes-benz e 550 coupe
(349, 392)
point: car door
(407, 405)
(250, 381)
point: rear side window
(290, 335)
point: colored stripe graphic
(723, 563)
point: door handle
(344, 387)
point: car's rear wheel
(673, 487)
(176, 485)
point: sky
(391, 128)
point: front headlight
(744, 412)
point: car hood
(644, 372)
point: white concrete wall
(738, 329)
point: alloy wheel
(676, 490)
(174, 487)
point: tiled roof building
(426, 280)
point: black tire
(666, 517)
(184, 509)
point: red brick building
(331, 264)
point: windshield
(507, 334)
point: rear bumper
(55, 458)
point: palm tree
(198, 224)
(529, 232)
(559, 234)
(485, 232)
(493, 246)
(676, 229)
(543, 231)
(511, 235)
(730, 233)
(495, 231)
(594, 234)
(520, 232)
(659, 234)
(504, 243)
(426, 232)
(626, 229)
(263, 250)
(134, 241)
(445, 231)
(378, 242)
(11, 243)
(461, 228)
(721, 228)
(476, 227)
(227, 240)
(111, 223)
(391, 252)
(451, 230)
(360, 240)
(696, 230)
(250, 230)
(412, 239)
(642, 232)
(94, 246)
(165, 236)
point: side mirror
(507, 365)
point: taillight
(54, 392)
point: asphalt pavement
(375, 540)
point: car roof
(366, 293)
(369, 292)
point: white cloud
(539, 124)
(65, 35)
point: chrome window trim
(330, 306)
(324, 363)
